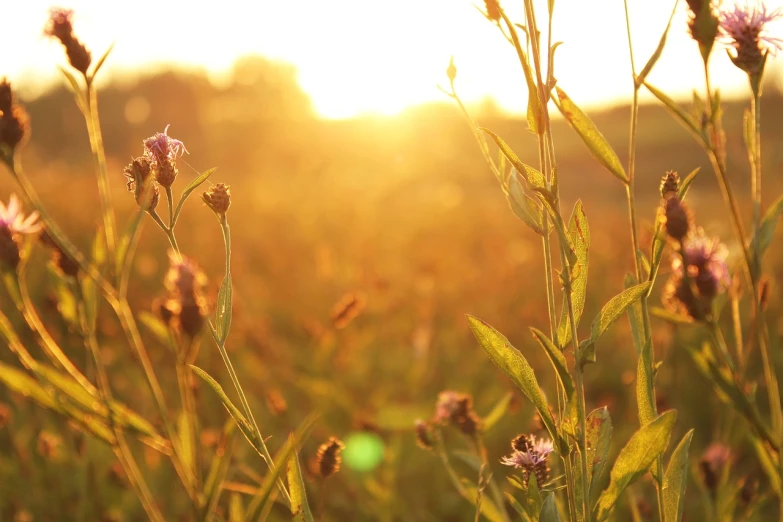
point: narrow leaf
(615, 308)
(644, 384)
(579, 232)
(591, 136)
(523, 206)
(193, 185)
(635, 459)
(223, 312)
(497, 413)
(549, 511)
(658, 50)
(680, 115)
(515, 366)
(530, 174)
(100, 62)
(299, 506)
(558, 360)
(599, 438)
(768, 224)
(675, 480)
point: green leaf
(768, 224)
(558, 360)
(516, 367)
(535, 118)
(680, 115)
(591, 136)
(497, 413)
(124, 245)
(523, 206)
(100, 63)
(518, 508)
(550, 204)
(658, 50)
(300, 509)
(532, 176)
(218, 469)
(675, 480)
(635, 317)
(224, 305)
(644, 385)
(280, 463)
(193, 185)
(244, 425)
(76, 89)
(615, 308)
(598, 441)
(634, 460)
(579, 232)
(549, 511)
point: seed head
(218, 198)
(743, 29)
(493, 9)
(328, 456)
(60, 26)
(423, 435)
(139, 182)
(703, 25)
(670, 184)
(457, 409)
(676, 218)
(14, 121)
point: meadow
(358, 248)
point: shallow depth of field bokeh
(400, 212)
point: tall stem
(99, 154)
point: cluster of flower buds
(531, 455)
(13, 227)
(699, 269)
(328, 457)
(157, 166)
(14, 122)
(184, 308)
(457, 409)
(60, 27)
(143, 186)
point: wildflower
(218, 198)
(14, 225)
(423, 435)
(186, 305)
(138, 173)
(531, 455)
(14, 122)
(61, 27)
(457, 409)
(162, 147)
(712, 462)
(703, 25)
(670, 184)
(328, 456)
(743, 28)
(699, 274)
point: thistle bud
(218, 198)
(14, 122)
(457, 409)
(677, 218)
(703, 25)
(328, 457)
(61, 28)
(165, 173)
(140, 182)
(670, 184)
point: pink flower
(743, 28)
(12, 219)
(60, 25)
(162, 148)
(534, 453)
(706, 263)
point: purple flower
(12, 219)
(535, 453)
(705, 258)
(743, 28)
(162, 148)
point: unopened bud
(218, 198)
(670, 184)
(328, 457)
(677, 218)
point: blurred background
(353, 176)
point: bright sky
(370, 56)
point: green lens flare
(363, 451)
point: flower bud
(670, 184)
(218, 198)
(328, 457)
(677, 219)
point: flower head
(11, 217)
(14, 122)
(60, 26)
(743, 28)
(703, 25)
(457, 409)
(218, 198)
(161, 147)
(531, 455)
(185, 307)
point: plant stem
(168, 231)
(189, 410)
(96, 143)
(230, 367)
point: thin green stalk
(230, 367)
(481, 452)
(170, 199)
(630, 191)
(99, 154)
(168, 231)
(120, 445)
(189, 409)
